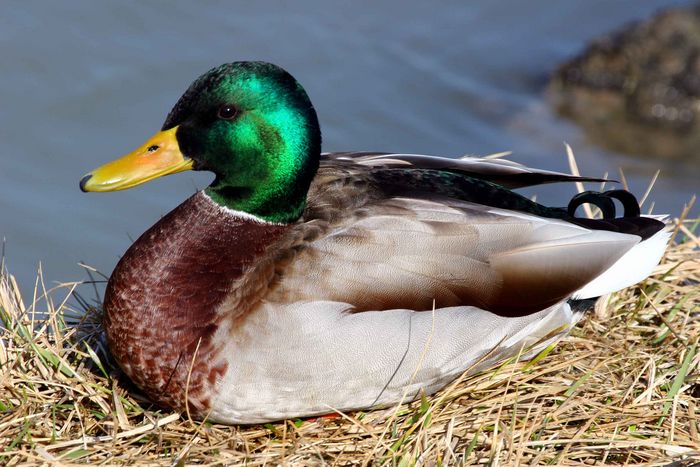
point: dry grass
(622, 388)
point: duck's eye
(227, 112)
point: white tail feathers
(633, 267)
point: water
(84, 82)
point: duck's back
(412, 237)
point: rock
(637, 90)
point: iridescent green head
(251, 124)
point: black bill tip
(83, 181)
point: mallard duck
(300, 283)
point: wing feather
(502, 171)
(448, 253)
(376, 238)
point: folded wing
(419, 254)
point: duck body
(395, 274)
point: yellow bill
(159, 156)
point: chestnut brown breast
(162, 298)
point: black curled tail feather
(631, 221)
(604, 201)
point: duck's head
(251, 124)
